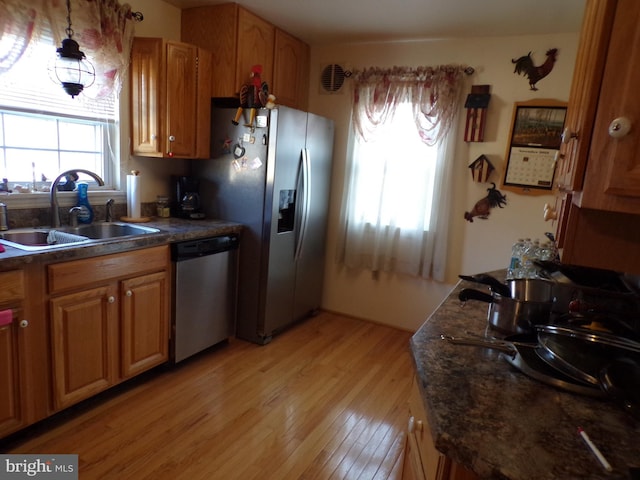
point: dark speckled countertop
(500, 423)
(171, 230)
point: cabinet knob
(550, 213)
(24, 323)
(568, 135)
(111, 299)
(619, 127)
(128, 293)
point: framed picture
(534, 143)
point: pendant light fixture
(72, 70)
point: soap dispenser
(86, 212)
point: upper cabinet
(170, 99)
(601, 153)
(238, 40)
(599, 164)
(291, 70)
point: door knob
(619, 127)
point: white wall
(483, 245)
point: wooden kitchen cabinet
(24, 386)
(170, 99)
(598, 178)
(422, 460)
(238, 40)
(600, 162)
(291, 70)
(110, 328)
(12, 354)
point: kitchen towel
(6, 317)
(133, 196)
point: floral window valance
(103, 28)
(433, 91)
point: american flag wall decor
(476, 105)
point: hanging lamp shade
(71, 69)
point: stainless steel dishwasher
(204, 293)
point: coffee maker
(187, 200)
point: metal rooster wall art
(483, 207)
(524, 66)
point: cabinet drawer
(80, 273)
(11, 286)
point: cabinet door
(612, 180)
(147, 79)
(581, 108)
(84, 344)
(145, 322)
(291, 70)
(412, 466)
(203, 112)
(434, 465)
(11, 415)
(181, 71)
(256, 39)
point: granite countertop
(500, 423)
(171, 230)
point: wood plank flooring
(325, 400)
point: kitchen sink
(108, 230)
(34, 239)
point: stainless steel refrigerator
(273, 177)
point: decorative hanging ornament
(71, 69)
(476, 105)
(481, 169)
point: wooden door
(203, 109)
(84, 344)
(612, 180)
(583, 98)
(145, 323)
(290, 70)
(256, 39)
(181, 72)
(147, 80)
(215, 28)
(11, 404)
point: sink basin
(34, 239)
(38, 238)
(108, 230)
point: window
(38, 147)
(393, 182)
(43, 131)
(396, 206)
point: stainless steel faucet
(55, 214)
(108, 216)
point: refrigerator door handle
(306, 190)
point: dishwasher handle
(203, 246)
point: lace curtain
(397, 201)
(103, 28)
(433, 91)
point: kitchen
(402, 302)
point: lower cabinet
(111, 327)
(422, 461)
(12, 395)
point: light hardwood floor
(326, 399)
